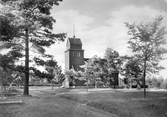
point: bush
(157, 82)
(165, 84)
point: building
(74, 54)
(74, 58)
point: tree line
(27, 27)
(147, 42)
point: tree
(114, 62)
(50, 67)
(70, 74)
(29, 22)
(160, 82)
(157, 82)
(133, 70)
(5, 78)
(149, 81)
(148, 43)
(165, 84)
(92, 71)
(58, 75)
(112, 58)
(54, 71)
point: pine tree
(29, 26)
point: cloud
(114, 33)
(165, 1)
(95, 40)
(65, 20)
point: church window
(77, 54)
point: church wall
(67, 60)
(76, 58)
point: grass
(7, 97)
(124, 104)
(46, 104)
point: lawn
(72, 103)
(45, 103)
(31, 106)
(125, 103)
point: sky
(100, 24)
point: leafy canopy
(148, 43)
(29, 21)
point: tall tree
(148, 43)
(112, 57)
(114, 62)
(33, 26)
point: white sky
(100, 24)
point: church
(74, 58)
(74, 54)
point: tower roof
(75, 41)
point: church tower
(74, 54)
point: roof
(75, 41)
(86, 59)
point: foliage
(27, 26)
(58, 76)
(92, 70)
(165, 84)
(157, 82)
(113, 58)
(148, 43)
(6, 77)
(99, 71)
(70, 72)
(113, 64)
(51, 68)
(133, 70)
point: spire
(74, 31)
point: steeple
(74, 43)
(74, 31)
(74, 54)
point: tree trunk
(59, 82)
(144, 78)
(52, 84)
(114, 80)
(26, 79)
(87, 84)
(95, 84)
